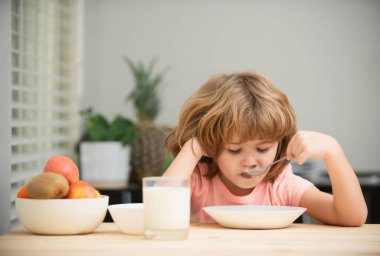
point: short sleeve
(199, 192)
(198, 184)
(290, 187)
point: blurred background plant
(148, 151)
(98, 128)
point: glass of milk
(166, 208)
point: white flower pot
(104, 161)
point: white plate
(254, 216)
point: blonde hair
(245, 104)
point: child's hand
(186, 160)
(194, 146)
(307, 144)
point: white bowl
(129, 218)
(254, 216)
(61, 216)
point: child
(240, 121)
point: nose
(249, 161)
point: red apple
(63, 165)
(82, 189)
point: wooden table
(297, 239)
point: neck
(235, 190)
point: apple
(82, 189)
(63, 165)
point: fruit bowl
(61, 216)
(129, 218)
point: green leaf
(97, 128)
(123, 130)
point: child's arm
(346, 206)
(186, 160)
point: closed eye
(234, 151)
(262, 150)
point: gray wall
(325, 55)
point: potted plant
(105, 148)
(148, 151)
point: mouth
(245, 175)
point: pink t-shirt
(286, 190)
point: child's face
(236, 156)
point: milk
(166, 208)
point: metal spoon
(255, 172)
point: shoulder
(289, 186)
(198, 182)
(288, 177)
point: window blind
(44, 86)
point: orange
(22, 192)
(82, 189)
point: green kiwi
(47, 185)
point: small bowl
(129, 218)
(62, 216)
(254, 216)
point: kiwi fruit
(47, 185)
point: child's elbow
(360, 220)
(356, 220)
